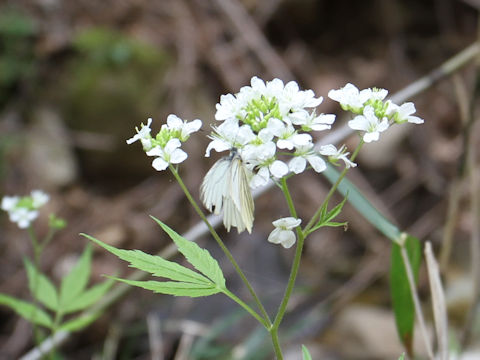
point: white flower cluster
(165, 146)
(24, 210)
(267, 118)
(374, 115)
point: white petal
(39, 198)
(178, 156)
(359, 122)
(301, 139)
(274, 236)
(288, 238)
(218, 145)
(276, 126)
(371, 136)
(318, 164)
(260, 178)
(9, 202)
(297, 164)
(159, 164)
(328, 150)
(156, 151)
(406, 109)
(171, 145)
(415, 120)
(193, 126)
(287, 222)
(285, 144)
(279, 169)
(174, 122)
(383, 125)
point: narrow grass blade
(403, 306)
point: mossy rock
(113, 85)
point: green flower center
(259, 111)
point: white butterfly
(226, 186)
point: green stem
(37, 253)
(56, 323)
(276, 343)
(296, 261)
(48, 238)
(223, 247)
(293, 274)
(315, 217)
(245, 306)
(301, 235)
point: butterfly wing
(215, 186)
(226, 187)
(240, 196)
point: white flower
(283, 234)
(183, 128)
(39, 198)
(334, 154)
(287, 135)
(170, 154)
(350, 96)
(9, 202)
(303, 154)
(378, 94)
(312, 122)
(369, 123)
(143, 135)
(229, 107)
(263, 159)
(295, 100)
(23, 217)
(404, 113)
(229, 135)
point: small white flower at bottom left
(283, 233)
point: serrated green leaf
(195, 255)
(305, 353)
(175, 288)
(154, 264)
(363, 206)
(402, 302)
(79, 322)
(76, 280)
(26, 310)
(88, 297)
(41, 287)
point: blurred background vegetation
(76, 77)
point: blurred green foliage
(17, 58)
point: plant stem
(37, 253)
(245, 306)
(293, 274)
(301, 235)
(315, 217)
(56, 322)
(276, 343)
(223, 247)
